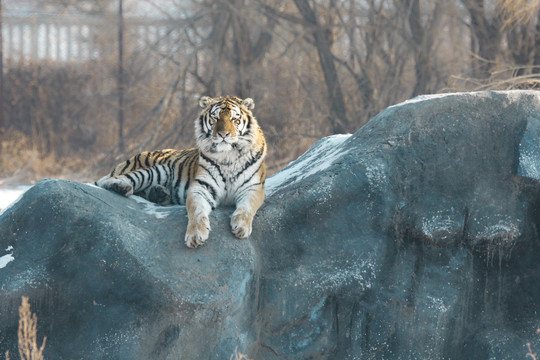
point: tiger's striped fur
(227, 167)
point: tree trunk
(536, 57)
(487, 34)
(120, 84)
(422, 37)
(521, 46)
(338, 112)
(3, 123)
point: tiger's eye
(237, 121)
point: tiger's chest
(231, 176)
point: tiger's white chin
(222, 147)
(209, 146)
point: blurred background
(86, 83)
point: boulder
(414, 238)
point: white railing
(60, 38)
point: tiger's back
(163, 175)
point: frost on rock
(360, 272)
(499, 227)
(529, 151)
(376, 174)
(440, 226)
(323, 154)
(150, 208)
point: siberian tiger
(226, 167)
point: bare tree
(322, 40)
(486, 36)
(522, 34)
(2, 121)
(536, 57)
(120, 77)
(422, 37)
(314, 67)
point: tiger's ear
(249, 103)
(205, 101)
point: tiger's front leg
(198, 209)
(247, 205)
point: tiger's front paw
(120, 186)
(197, 232)
(241, 224)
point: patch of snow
(150, 208)
(10, 195)
(528, 165)
(6, 259)
(529, 150)
(512, 95)
(319, 157)
(421, 98)
(91, 184)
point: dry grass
(238, 355)
(28, 348)
(529, 349)
(27, 334)
(530, 353)
(517, 11)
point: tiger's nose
(224, 134)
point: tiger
(225, 168)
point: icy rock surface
(414, 238)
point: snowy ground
(9, 194)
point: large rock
(415, 238)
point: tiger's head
(226, 123)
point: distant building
(52, 30)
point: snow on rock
(150, 208)
(422, 98)
(6, 259)
(323, 154)
(153, 209)
(10, 195)
(512, 95)
(529, 149)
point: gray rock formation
(415, 238)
